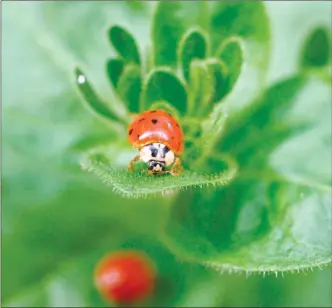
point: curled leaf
(171, 20)
(91, 98)
(167, 107)
(251, 33)
(192, 46)
(225, 22)
(219, 75)
(164, 85)
(129, 87)
(114, 69)
(124, 43)
(232, 55)
(201, 87)
(209, 83)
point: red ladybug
(125, 277)
(159, 138)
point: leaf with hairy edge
(232, 56)
(125, 44)
(249, 39)
(251, 32)
(209, 83)
(129, 87)
(170, 22)
(219, 74)
(192, 46)
(114, 69)
(262, 229)
(281, 220)
(137, 184)
(164, 85)
(201, 87)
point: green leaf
(91, 98)
(251, 32)
(201, 87)
(317, 49)
(292, 21)
(170, 21)
(281, 220)
(250, 232)
(192, 46)
(167, 107)
(61, 234)
(296, 105)
(137, 184)
(114, 69)
(209, 83)
(247, 68)
(219, 73)
(232, 56)
(164, 85)
(225, 22)
(129, 87)
(125, 44)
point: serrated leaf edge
(220, 179)
(266, 270)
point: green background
(58, 220)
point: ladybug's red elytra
(125, 277)
(159, 138)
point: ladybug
(125, 277)
(158, 137)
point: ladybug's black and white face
(157, 155)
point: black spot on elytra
(140, 120)
(154, 121)
(130, 132)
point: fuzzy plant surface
(265, 149)
(252, 91)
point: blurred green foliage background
(58, 220)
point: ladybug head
(156, 166)
(157, 156)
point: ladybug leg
(176, 168)
(131, 164)
(148, 172)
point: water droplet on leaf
(81, 79)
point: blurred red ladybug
(159, 138)
(125, 277)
